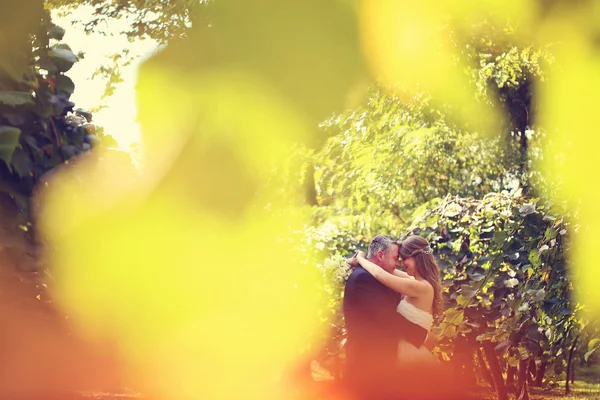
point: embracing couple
(388, 315)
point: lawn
(586, 386)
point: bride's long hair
(418, 247)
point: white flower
(524, 307)
(529, 133)
(510, 283)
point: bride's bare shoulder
(426, 285)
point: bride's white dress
(407, 352)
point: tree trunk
(532, 371)
(522, 391)
(310, 192)
(572, 373)
(570, 364)
(511, 372)
(484, 369)
(539, 379)
(488, 348)
(510, 378)
(469, 371)
(338, 366)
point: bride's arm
(399, 284)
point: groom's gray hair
(381, 243)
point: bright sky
(119, 119)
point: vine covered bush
(507, 285)
(39, 129)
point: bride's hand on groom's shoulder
(352, 261)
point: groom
(374, 327)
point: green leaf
(476, 276)
(513, 361)
(500, 237)
(450, 331)
(21, 163)
(534, 258)
(534, 333)
(445, 250)
(56, 32)
(65, 84)
(62, 57)
(527, 209)
(9, 140)
(454, 316)
(550, 234)
(13, 98)
(525, 267)
(85, 114)
(510, 283)
(452, 210)
(524, 353)
(594, 343)
(539, 295)
(503, 345)
(497, 262)
(589, 353)
(48, 65)
(14, 68)
(486, 235)
(467, 291)
(462, 300)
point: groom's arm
(370, 296)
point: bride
(421, 289)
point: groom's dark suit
(374, 329)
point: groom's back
(372, 338)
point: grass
(589, 374)
(586, 387)
(579, 391)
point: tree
(395, 152)
(160, 20)
(38, 128)
(389, 157)
(504, 264)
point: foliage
(38, 128)
(111, 72)
(390, 157)
(505, 269)
(397, 152)
(159, 20)
(334, 272)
